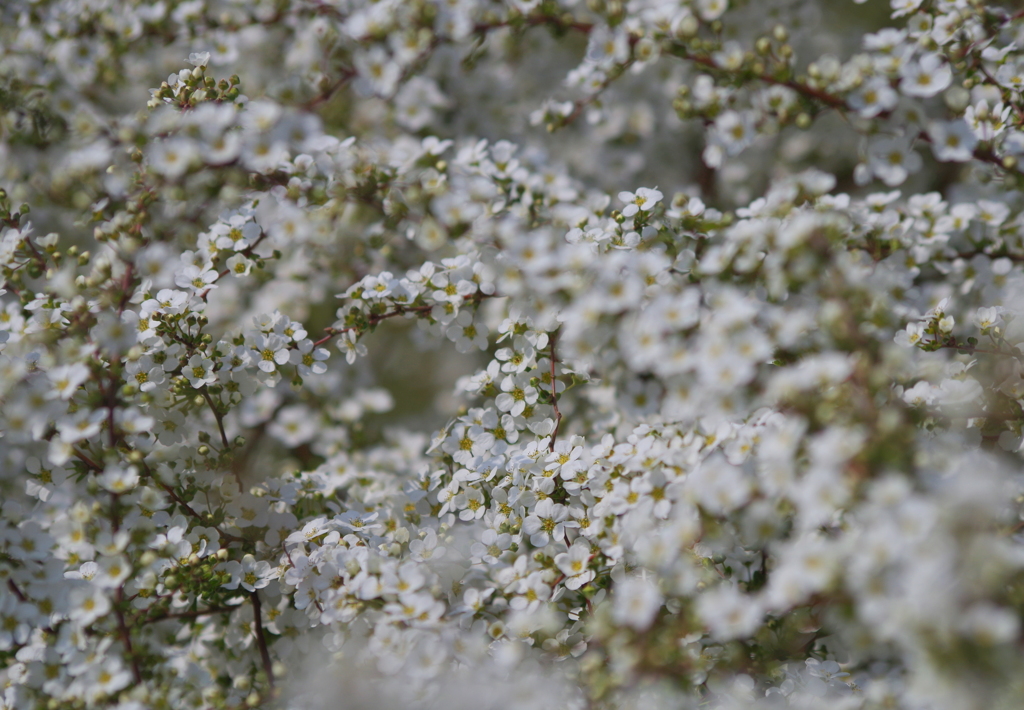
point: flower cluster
(713, 394)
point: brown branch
(951, 344)
(247, 252)
(126, 637)
(325, 95)
(374, 319)
(87, 461)
(14, 588)
(261, 639)
(126, 287)
(580, 104)
(187, 508)
(832, 101)
(554, 393)
(218, 416)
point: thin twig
(87, 461)
(14, 588)
(374, 319)
(261, 639)
(972, 349)
(217, 415)
(554, 393)
(126, 637)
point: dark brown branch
(554, 393)
(126, 637)
(14, 588)
(218, 416)
(832, 101)
(261, 639)
(374, 319)
(87, 461)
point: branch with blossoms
(755, 473)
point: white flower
(144, 373)
(516, 393)
(643, 199)
(893, 160)
(239, 265)
(710, 10)
(988, 624)
(107, 677)
(635, 602)
(119, 479)
(467, 334)
(172, 157)
(83, 424)
(1011, 75)
(199, 371)
(875, 96)
(986, 318)
(929, 75)
(415, 103)
(734, 131)
(197, 278)
(249, 574)
(378, 71)
(955, 393)
(349, 345)
(921, 394)
(66, 379)
(607, 46)
(248, 511)
(904, 7)
(294, 425)
(992, 213)
(547, 522)
(199, 59)
(88, 603)
(268, 351)
(115, 333)
(952, 140)
(112, 571)
(309, 359)
(987, 122)
(729, 613)
(574, 565)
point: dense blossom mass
(511, 353)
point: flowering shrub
(713, 394)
